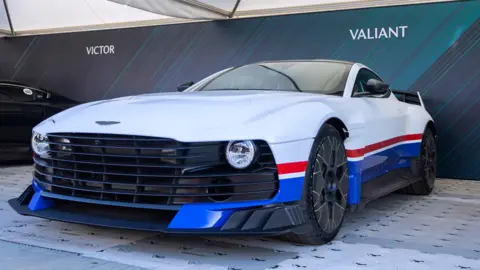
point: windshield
(314, 76)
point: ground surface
(396, 232)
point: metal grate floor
(395, 232)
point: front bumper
(55, 193)
(272, 219)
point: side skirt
(387, 183)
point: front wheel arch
(338, 125)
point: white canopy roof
(21, 17)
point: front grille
(151, 170)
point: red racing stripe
(354, 153)
(292, 167)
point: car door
(385, 125)
(19, 114)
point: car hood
(182, 116)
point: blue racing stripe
(375, 165)
(213, 215)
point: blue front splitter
(277, 215)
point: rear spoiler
(410, 98)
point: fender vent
(26, 196)
(265, 219)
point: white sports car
(276, 148)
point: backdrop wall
(433, 49)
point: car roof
(308, 60)
(19, 84)
(12, 82)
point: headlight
(40, 144)
(240, 154)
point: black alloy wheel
(427, 166)
(325, 189)
(330, 184)
(429, 159)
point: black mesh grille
(150, 170)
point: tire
(428, 162)
(325, 189)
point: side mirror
(184, 86)
(376, 86)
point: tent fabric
(27, 17)
(175, 8)
(250, 8)
(4, 21)
(51, 16)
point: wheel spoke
(341, 164)
(330, 217)
(322, 216)
(338, 212)
(318, 168)
(320, 182)
(343, 188)
(340, 159)
(322, 159)
(316, 198)
(328, 152)
(343, 181)
(335, 153)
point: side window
(16, 93)
(4, 98)
(362, 78)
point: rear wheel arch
(430, 125)
(425, 165)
